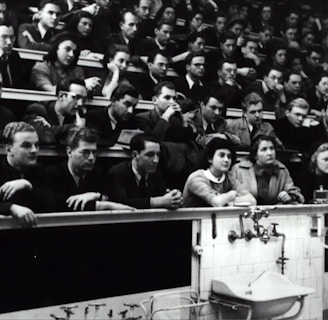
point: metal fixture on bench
(255, 213)
(282, 259)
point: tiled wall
(305, 253)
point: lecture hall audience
(242, 69)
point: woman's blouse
(46, 73)
(201, 187)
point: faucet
(233, 235)
(68, 311)
(265, 235)
(282, 259)
(97, 307)
(255, 213)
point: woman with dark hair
(116, 61)
(315, 177)
(266, 178)
(60, 63)
(166, 12)
(81, 24)
(215, 186)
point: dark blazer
(196, 93)
(39, 199)
(64, 186)
(121, 186)
(98, 119)
(18, 71)
(144, 84)
(117, 38)
(6, 116)
(303, 138)
(151, 122)
(39, 43)
(232, 94)
(270, 98)
(148, 47)
(56, 133)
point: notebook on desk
(125, 137)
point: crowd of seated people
(226, 55)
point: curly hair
(12, 128)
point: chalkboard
(49, 266)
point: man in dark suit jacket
(191, 85)
(137, 183)
(54, 119)
(295, 131)
(209, 121)
(128, 33)
(146, 25)
(145, 83)
(270, 89)
(36, 36)
(77, 184)
(162, 41)
(110, 121)
(177, 134)
(11, 65)
(23, 183)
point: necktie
(6, 74)
(209, 129)
(255, 128)
(142, 186)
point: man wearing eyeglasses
(77, 184)
(54, 119)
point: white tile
(207, 257)
(260, 267)
(229, 270)
(315, 308)
(208, 275)
(245, 269)
(290, 270)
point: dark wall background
(42, 267)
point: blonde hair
(313, 163)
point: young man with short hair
(36, 36)
(162, 40)
(191, 85)
(54, 119)
(119, 115)
(158, 64)
(77, 184)
(251, 124)
(23, 183)
(137, 182)
(296, 133)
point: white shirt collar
(126, 40)
(113, 121)
(159, 45)
(191, 82)
(153, 78)
(137, 175)
(205, 123)
(265, 87)
(42, 30)
(209, 175)
(250, 126)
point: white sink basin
(270, 294)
